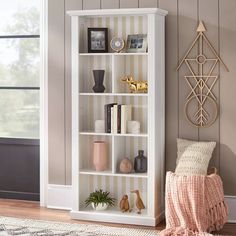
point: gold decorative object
(124, 204)
(136, 86)
(139, 203)
(117, 44)
(201, 80)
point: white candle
(99, 126)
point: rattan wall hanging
(201, 59)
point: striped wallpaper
(120, 26)
(92, 107)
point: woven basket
(212, 170)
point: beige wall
(219, 17)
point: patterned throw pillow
(193, 157)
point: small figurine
(136, 85)
(139, 202)
(124, 204)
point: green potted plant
(100, 200)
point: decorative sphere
(126, 166)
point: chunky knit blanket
(194, 205)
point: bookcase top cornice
(114, 12)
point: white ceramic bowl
(100, 206)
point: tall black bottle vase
(140, 162)
(98, 76)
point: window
(19, 68)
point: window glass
(19, 116)
(19, 67)
(19, 62)
(19, 17)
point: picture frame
(97, 40)
(136, 43)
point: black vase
(140, 163)
(98, 80)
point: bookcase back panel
(86, 154)
(128, 147)
(135, 65)
(117, 186)
(92, 109)
(118, 26)
(86, 78)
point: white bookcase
(148, 109)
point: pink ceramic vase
(100, 155)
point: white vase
(100, 206)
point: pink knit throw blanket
(194, 205)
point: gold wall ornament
(136, 86)
(201, 108)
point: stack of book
(116, 118)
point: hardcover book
(126, 115)
(107, 116)
(112, 119)
(115, 111)
(118, 119)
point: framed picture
(97, 40)
(137, 43)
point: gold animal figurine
(139, 202)
(136, 86)
(124, 204)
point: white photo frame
(136, 43)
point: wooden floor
(32, 210)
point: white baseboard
(59, 197)
(231, 202)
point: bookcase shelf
(111, 134)
(115, 94)
(109, 173)
(147, 108)
(93, 172)
(115, 54)
(115, 211)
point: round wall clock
(117, 44)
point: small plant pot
(99, 207)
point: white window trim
(43, 103)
